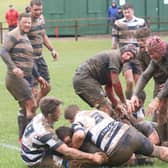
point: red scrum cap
(156, 44)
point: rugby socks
(21, 122)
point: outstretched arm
(73, 153)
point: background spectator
(120, 13)
(11, 17)
(112, 12)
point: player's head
(141, 35)
(128, 52)
(70, 112)
(11, 6)
(24, 22)
(113, 3)
(156, 47)
(65, 134)
(128, 11)
(36, 8)
(50, 108)
(143, 32)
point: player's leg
(148, 130)
(21, 90)
(160, 152)
(92, 93)
(145, 147)
(42, 68)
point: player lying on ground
(118, 140)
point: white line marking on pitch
(9, 146)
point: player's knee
(147, 148)
(154, 137)
(145, 127)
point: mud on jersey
(36, 35)
(38, 137)
(100, 128)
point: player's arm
(40, 79)
(50, 47)
(115, 35)
(114, 42)
(141, 83)
(110, 94)
(9, 44)
(78, 138)
(7, 59)
(116, 84)
(72, 153)
(158, 103)
(129, 78)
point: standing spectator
(120, 13)
(17, 53)
(38, 37)
(11, 17)
(112, 12)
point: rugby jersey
(100, 128)
(36, 35)
(124, 31)
(100, 65)
(20, 52)
(38, 137)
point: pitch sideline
(9, 146)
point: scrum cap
(129, 47)
(156, 44)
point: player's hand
(18, 72)
(100, 158)
(54, 54)
(135, 101)
(153, 106)
(131, 104)
(43, 82)
(122, 109)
